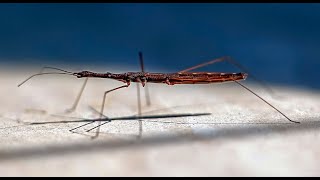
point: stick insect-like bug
(142, 77)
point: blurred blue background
(279, 43)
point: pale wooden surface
(242, 136)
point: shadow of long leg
(72, 130)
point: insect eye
(86, 73)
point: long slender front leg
(102, 108)
(75, 104)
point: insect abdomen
(204, 77)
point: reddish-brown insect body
(181, 77)
(170, 78)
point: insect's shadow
(156, 140)
(124, 118)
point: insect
(142, 77)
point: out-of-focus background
(277, 42)
(189, 130)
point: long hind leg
(139, 110)
(236, 64)
(147, 95)
(233, 62)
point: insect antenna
(41, 73)
(47, 67)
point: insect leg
(139, 110)
(236, 64)
(102, 107)
(139, 97)
(265, 101)
(205, 64)
(147, 94)
(75, 104)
